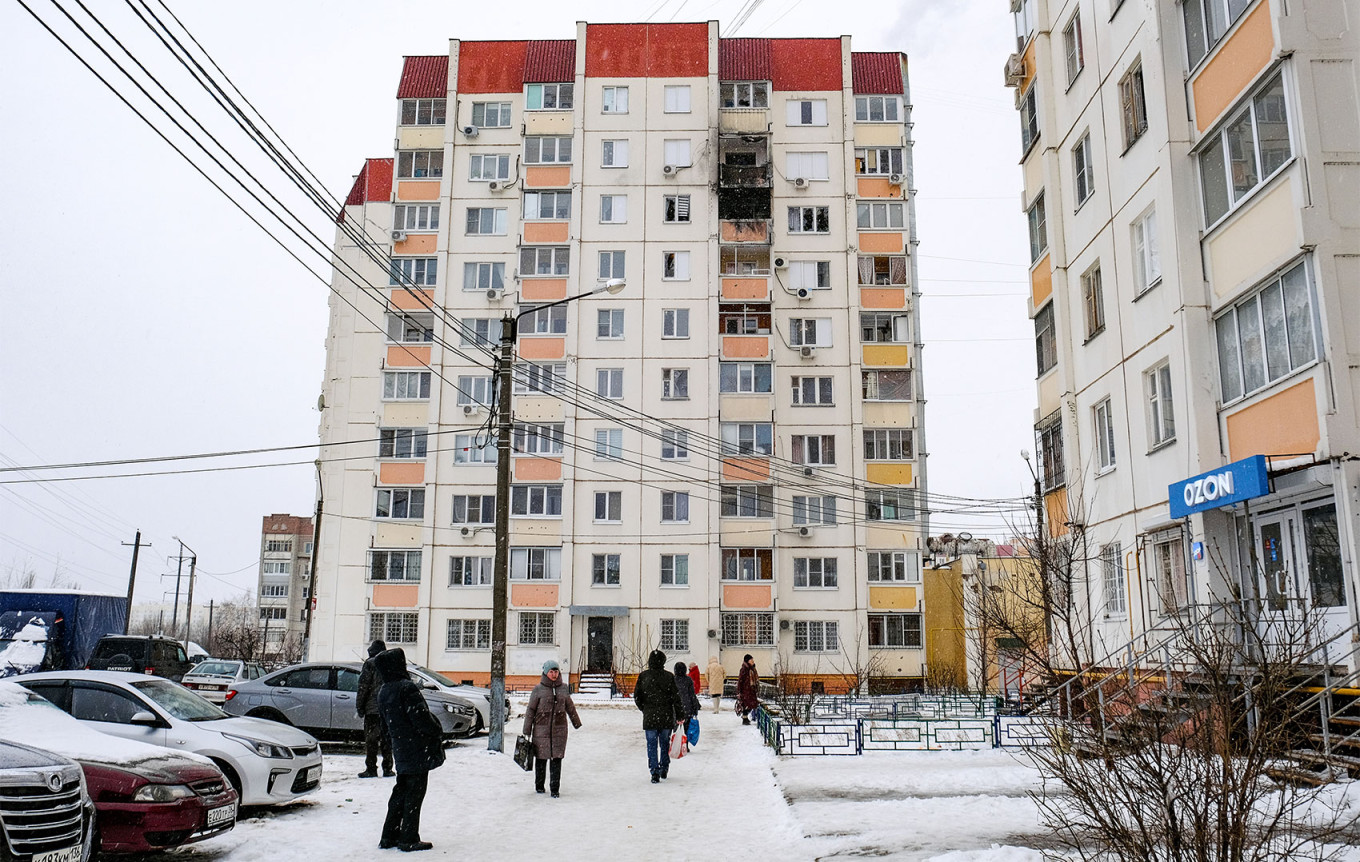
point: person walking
(375, 729)
(417, 747)
(545, 722)
(658, 698)
(717, 678)
(696, 677)
(748, 688)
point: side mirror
(144, 719)
(429, 686)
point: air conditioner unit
(800, 182)
(712, 633)
(398, 235)
(807, 351)
(784, 625)
(895, 179)
(1015, 70)
(495, 186)
(469, 409)
(471, 131)
(466, 531)
(804, 531)
(780, 263)
(803, 293)
(669, 170)
(807, 471)
(492, 293)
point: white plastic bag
(679, 745)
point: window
(1132, 108)
(815, 636)
(609, 323)
(677, 98)
(1029, 118)
(809, 166)
(408, 328)
(547, 97)
(543, 320)
(809, 275)
(491, 115)
(530, 439)
(1072, 47)
(675, 384)
(744, 94)
(400, 503)
(536, 564)
(474, 509)
(674, 507)
(888, 444)
(411, 217)
(1147, 264)
(547, 150)
(614, 154)
(423, 112)
(895, 566)
(810, 332)
(814, 510)
(874, 161)
(273, 613)
(474, 391)
(675, 323)
(886, 385)
(890, 504)
(609, 383)
(488, 166)
(674, 445)
(406, 385)
(675, 633)
(419, 164)
(479, 331)
(880, 327)
(675, 570)
(747, 501)
(745, 377)
(1083, 169)
(675, 265)
(742, 319)
(1206, 21)
(1038, 229)
(747, 564)
(1103, 415)
(814, 450)
(882, 269)
(536, 628)
(813, 391)
(1168, 570)
(611, 264)
(748, 629)
(675, 209)
(1161, 417)
(486, 221)
(1052, 463)
(609, 506)
(1266, 336)
(814, 573)
(545, 260)
(471, 571)
(876, 109)
(806, 112)
(809, 220)
(279, 591)
(402, 442)
(484, 276)
(1093, 301)
(613, 209)
(276, 567)
(604, 570)
(547, 205)
(393, 566)
(609, 443)
(747, 438)
(421, 271)
(536, 501)
(895, 630)
(1045, 340)
(468, 634)
(615, 100)
(1112, 566)
(393, 628)
(1246, 152)
(875, 216)
(530, 377)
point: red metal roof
(876, 72)
(424, 78)
(744, 60)
(374, 183)
(550, 61)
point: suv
(149, 654)
(44, 809)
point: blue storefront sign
(1231, 483)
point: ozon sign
(1231, 483)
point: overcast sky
(144, 316)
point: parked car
(211, 677)
(147, 797)
(149, 654)
(479, 697)
(319, 697)
(265, 763)
(45, 811)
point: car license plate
(211, 687)
(70, 854)
(314, 774)
(222, 814)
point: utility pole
(310, 600)
(210, 622)
(179, 570)
(500, 589)
(189, 604)
(132, 580)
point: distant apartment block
(285, 578)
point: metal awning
(598, 610)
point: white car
(266, 762)
(480, 698)
(211, 677)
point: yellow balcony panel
(1041, 281)
(397, 536)
(744, 121)
(894, 598)
(538, 408)
(420, 138)
(878, 134)
(888, 414)
(894, 355)
(888, 473)
(405, 414)
(547, 122)
(1259, 237)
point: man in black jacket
(375, 729)
(417, 747)
(656, 695)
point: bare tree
(236, 631)
(793, 696)
(23, 575)
(856, 664)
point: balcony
(744, 121)
(744, 176)
(745, 231)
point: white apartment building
(284, 584)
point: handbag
(692, 731)
(679, 746)
(524, 753)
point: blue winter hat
(551, 664)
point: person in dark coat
(545, 722)
(417, 747)
(748, 688)
(658, 698)
(375, 729)
(684, 686)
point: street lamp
(500, 590)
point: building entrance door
(1300, 571)
(599, 644)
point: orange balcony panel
(745, 230)
(544, 289)
(1056, 514)
(418, 190)
(539, 347)
(746, 288)
(406, 302)
(745, 346)
(746, 469)
(881, 243)
(420, 243)
(531, 468)
(533, 595)
(875, 187)
(1283, 424)
(882, 297)
(545, 231)
(408, 355)
(893, 598)
(547, 177)
(1041, 281)
(888, 473)
(395, 595)
(1223, 78)
(1030, 66)
(404, 473)
(747, 596)
(891, 355)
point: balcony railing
(744, 176)
(745, 231)
(744, 121)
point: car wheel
(232, 778)
(269, 715)
(478, 727)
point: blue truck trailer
(54, 629)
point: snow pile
(25, 652)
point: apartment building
(724, 458)
(285, 579)
(1190, 174)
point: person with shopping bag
(545, 722)
(689, 700)
(658, 698)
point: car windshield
(179, 701)
(426, 673)
(216, 668)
